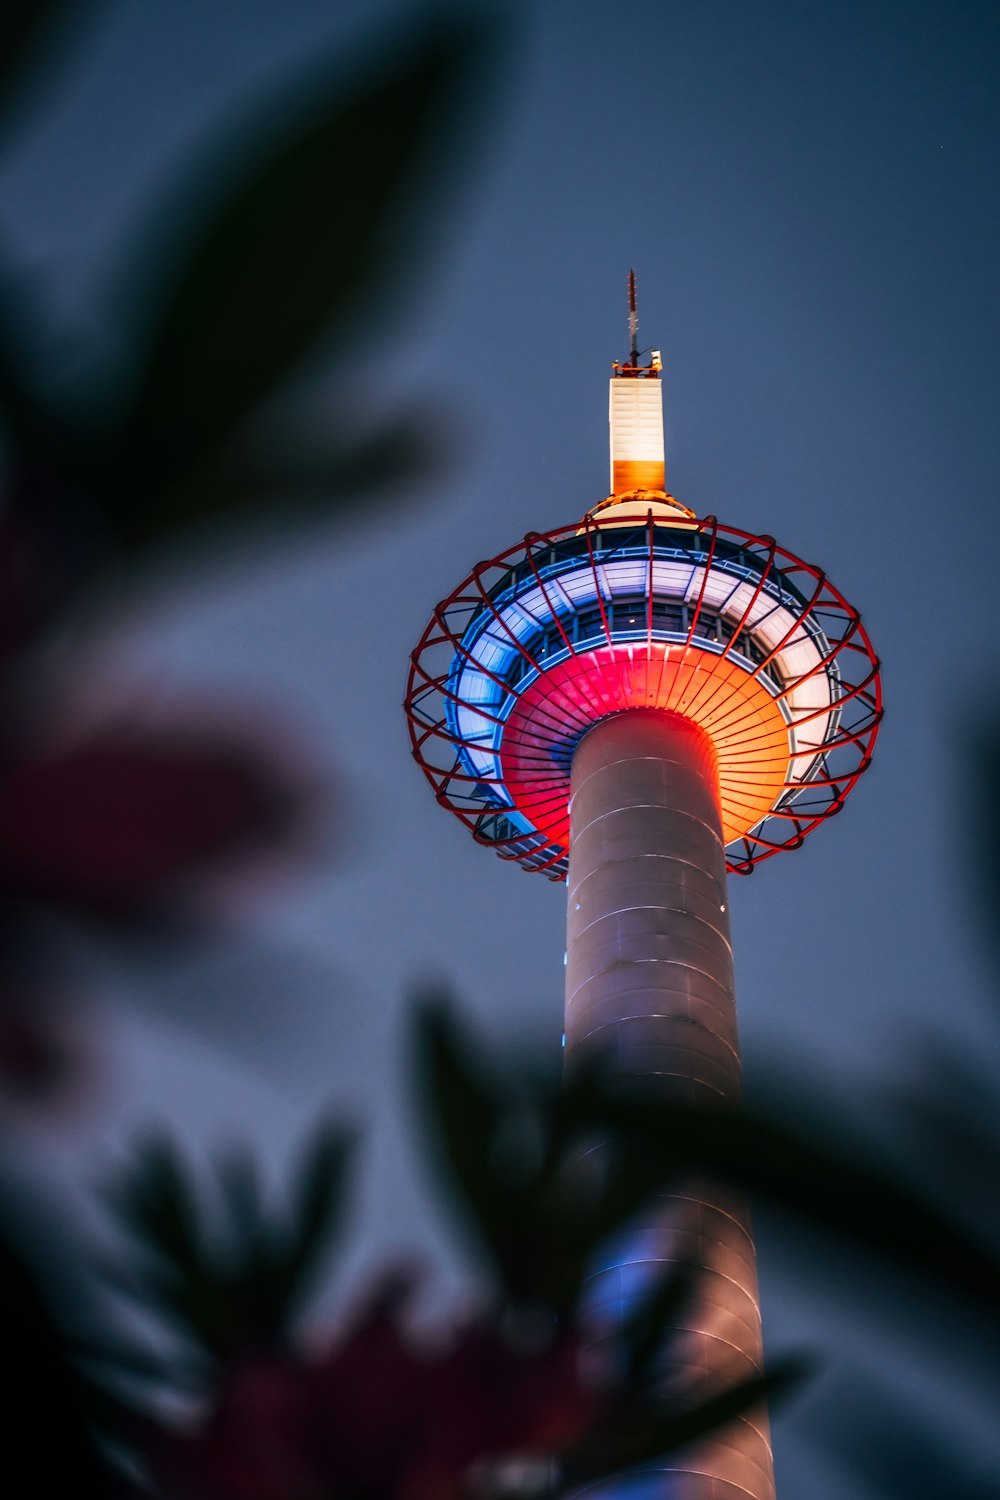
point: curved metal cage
(541, 642)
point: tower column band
(649, 989)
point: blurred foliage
(980, 788)
(314, 198)
(510, 1150)
(240, 1284)
(515, 1396)
(311, 213)
(49, 1444)
(283, 235)
(518, 1376)
(284, 261)
(263, 259)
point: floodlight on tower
(636, 703)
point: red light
(737, 712)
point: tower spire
(636, 416)
(633, 321)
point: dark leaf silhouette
(644, 1145)
(25, 28)
(241, 1284)
(39, 1381)
(288, 470)
(316, 1217)
(281, 264)
(467, 1108)
(981, 790)
(539, 1198)
(639, 1437)
(527, 1207)
(836, 1193)
(644, 1329)
(19, 26)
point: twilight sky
(810, 195)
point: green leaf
(285, 259)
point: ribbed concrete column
(649, 987)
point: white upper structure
(636, 416)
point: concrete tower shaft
(649, 991)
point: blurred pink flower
(383, 1416)
(108, 827)
(117, 822)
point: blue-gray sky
(810, 195)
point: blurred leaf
(158, 1202)
(239, 1183)
(20, 23)
(111, 1356)
(283, 262)
(540, 1226)
(241, 1283)
(644, 1330)
(836, 1193)
(38, 1381)
(26, 26)
(643, 1436)
(467, 1110)
(321, 467)
(516, 1207)
(293, 469)
(317, 1215)
(540, 1213)
(981, 790)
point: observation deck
(642, 605)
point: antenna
(633, 322)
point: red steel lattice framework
(781, 673)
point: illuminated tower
(637, 703)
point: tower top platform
(614, 613)
(642, 605)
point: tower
(637, 703)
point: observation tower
(636, 703)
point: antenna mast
(633, 323)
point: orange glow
(630, 474)
(737, 712)
(665, 509)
